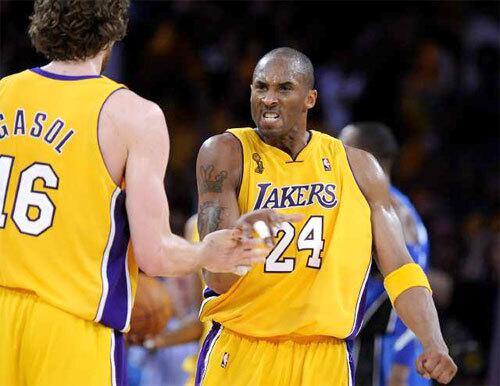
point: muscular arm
(143, 132)
(141, 139)
(415, 305)
(218, 172)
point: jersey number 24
(310, 238)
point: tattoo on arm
(209, 217)
(210, 184)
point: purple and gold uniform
(66, 282)
(289, 321)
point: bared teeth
(271, 115)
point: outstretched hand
(225, 250)
(437, 364)
(236, 250)
(264, 221)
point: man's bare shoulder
(126, 109)
(220, 145)
(221, 155)
(368, 174)
(223, 150)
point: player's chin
(271, 129)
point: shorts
(227, 358)
(41, 345)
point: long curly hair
(72, 30)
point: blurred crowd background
(429, 70)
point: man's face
(280, 96)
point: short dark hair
(378, 139)
(304, 63)
(77, 29)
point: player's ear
(312, 95)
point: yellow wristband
(406, 276)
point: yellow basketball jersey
(63, 226)
(313, 281)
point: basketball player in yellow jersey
(68, 138)
(290, 320)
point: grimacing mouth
(270, 115)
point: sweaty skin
(281, 91)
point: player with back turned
(384, 337)
(69, 137)
(290, 321)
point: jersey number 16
(26, 197)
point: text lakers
(295, 195)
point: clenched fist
(436, 363)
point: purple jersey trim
(51, 75)
(361, 307)
(349, 346)
(359, 316)
(208, 292)
(205, 349)
(120, 360)
(115, 313)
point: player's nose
(269, 99)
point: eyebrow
(265, 82)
